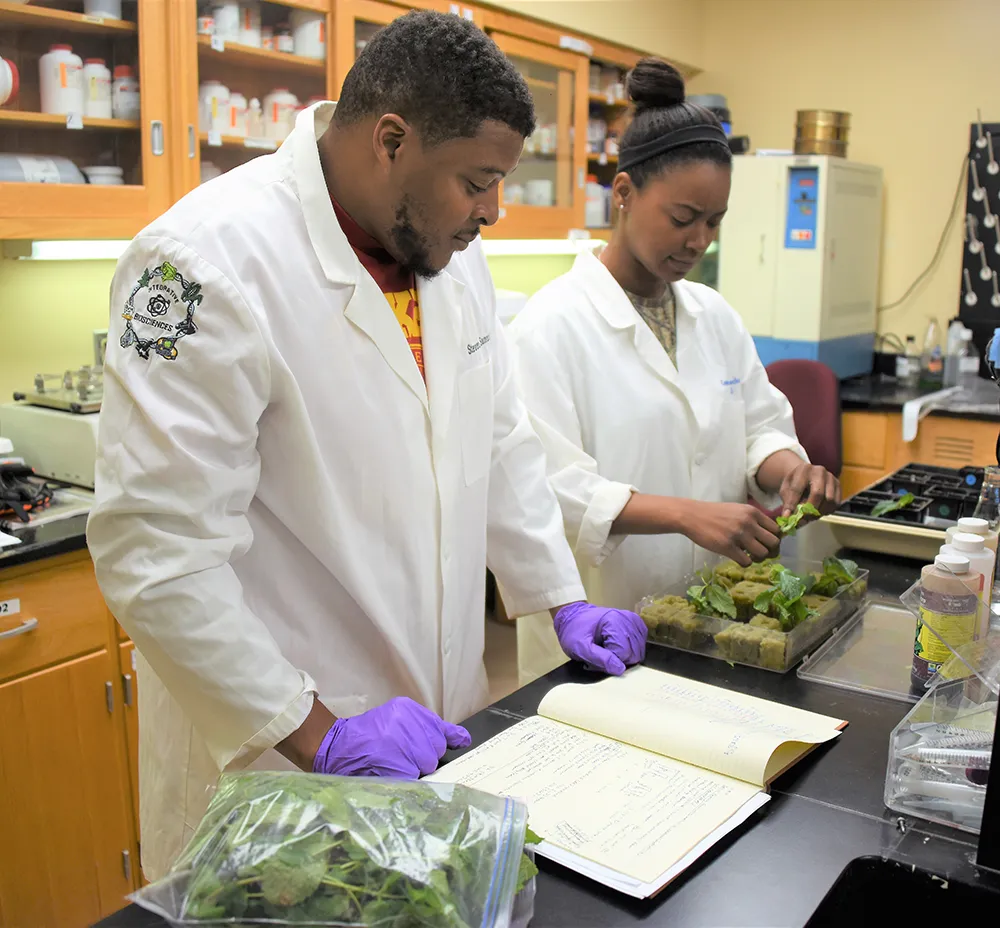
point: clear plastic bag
(308, 849)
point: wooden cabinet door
(544, 196)
(944, 441)
(130, 698)
(64, 799)
(37, 207)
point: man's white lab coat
(282, 507)
(614, 414)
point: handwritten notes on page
(726, 732)
(614, 804)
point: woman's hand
(809, 483)
(734, 530)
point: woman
(647, 391)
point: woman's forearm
(646, 514)
(772, 473)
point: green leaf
(790, 524)
(763, 601)
(531, 838)
(791, 585)
(892, 505)
(720, 600)
(526, 871)
(289, 883)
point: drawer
(60, 609)
(863, 437)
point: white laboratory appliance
(799, 256)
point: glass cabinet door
(245, 81)
(544, 196)
(83, 139)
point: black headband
(689, 135)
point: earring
(621, 206)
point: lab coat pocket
(475, 400)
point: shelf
(35, 17)
(239, 141)
(602, 100)
(536, 83)
(261, 57)
(607, 159)
(57, 121)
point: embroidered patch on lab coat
(159, 312)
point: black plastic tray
(942, 495)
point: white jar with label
(255, 121)
(106, 9)
(227, 20)
(250, 24)
(105, 176)
(213, 107)
(279, 113)
(283, 39)
(96, 89)
(125, 103)
(308, 33)
(60, 75)
(238, 115)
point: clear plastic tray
(870, 653)
(740, 643)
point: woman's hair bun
(654, 83)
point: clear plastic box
(739, 642)
(939, 755)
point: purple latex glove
(604, 639)
(397, 739)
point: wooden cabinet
(873, 445)
(163, 153)
(130, 702)
(544, 195)
(65, 799)
(37, 207)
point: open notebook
(629, 780)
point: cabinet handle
(581, 178)
(127, 865)
(109, 696)
(127, 687)
(26, 626)
(191, 148)
(156, 136)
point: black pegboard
(982, 204)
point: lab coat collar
(612, 303)
(440, 298)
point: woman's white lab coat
(615, 414)
(282, 507)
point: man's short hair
(442, 74)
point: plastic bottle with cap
(949, 614)
(970, 525)
(982, 561)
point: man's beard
(410, 245)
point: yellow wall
(671, 28)
(910, 72)
(48, 312)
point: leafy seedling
(789, 525)
(892, 505)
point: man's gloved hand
(398, 739)
(604, 639)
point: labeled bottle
(982, 562)
(949, 609)
(125, 103)
(255, 121)
(96, 89)
(970, 525)
(60, 76)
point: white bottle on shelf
(214, 107)
(96, 89)
(227, 20)
(125, 102)
(60, 76)
(308, 33)
(279, 113)
(250, 32)
(106, 9)
(238, 113)
(255, 122)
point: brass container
(822, 132)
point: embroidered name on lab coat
(475, 346)
(732, 384)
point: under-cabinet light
(78, 250)
(539, 246)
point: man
(311, 443)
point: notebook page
(614, 804)
(729, 733)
